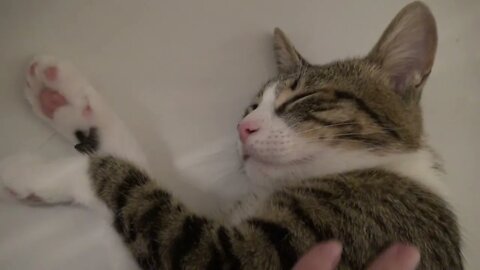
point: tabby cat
(341, 147)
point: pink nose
(247, 128)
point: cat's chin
(267, 173)
(273, 163)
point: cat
(340, 147)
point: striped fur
(367, 210)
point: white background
(180, 74)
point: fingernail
(408, 254)
(334, 250)
(323, 256)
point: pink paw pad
(34, 198)
(31, 198)
(11, 192)
(51, 73)
(50, 101)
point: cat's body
(339, 147)
(366, 210)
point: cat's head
(310, 120)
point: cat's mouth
(246, 157)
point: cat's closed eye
(294, 84)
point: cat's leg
(65, 100)
(32, 179)
(61, 96)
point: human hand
(326, 256)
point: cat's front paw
(27, 179)
(61, 96)
(28, 199)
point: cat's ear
(406, 50)
(288, 59)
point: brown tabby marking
(367, 210)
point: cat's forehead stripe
(268, 98)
